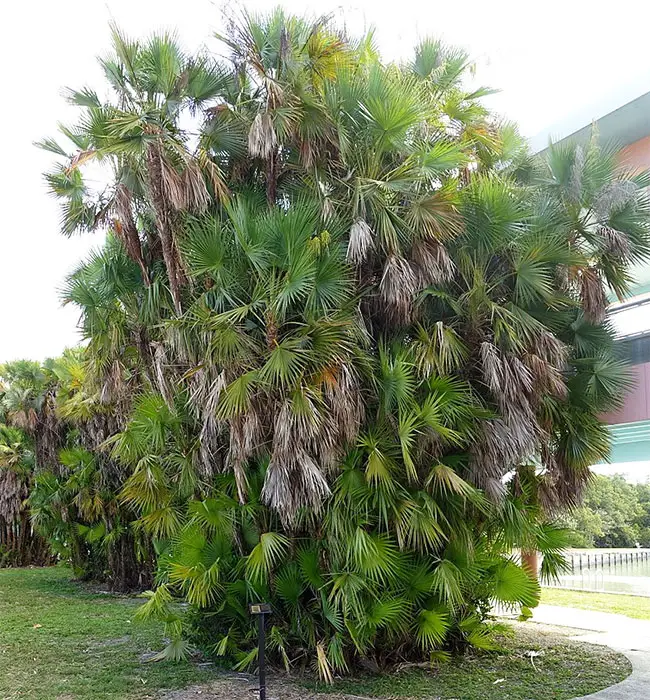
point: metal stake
(262, 656)
(261, 610)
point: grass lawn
(58, 641)
(630, 605)
(562, 669)
(61, 641)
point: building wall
(637, 402)
(637, 154)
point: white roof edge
(581, 118)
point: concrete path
(630, 637)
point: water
(603, 570)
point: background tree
(642, 519)
(614, 513)
(21, 405)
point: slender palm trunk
(125, 571)
(530, 563)
(271, 180)
(20, 545)
(128, 231)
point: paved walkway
(630, 637)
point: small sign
(260, 608)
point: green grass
(59, 641)
(564, 669)
(62, 641)
(630, 605)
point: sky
(556, 62)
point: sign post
(261, 610)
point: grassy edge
(637, 607)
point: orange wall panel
(637, 154)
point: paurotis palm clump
(346, 345)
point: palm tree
(142, 136)
(22, 411)
(382, 358)
(19, 544)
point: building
(628, 126)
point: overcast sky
(552, 60)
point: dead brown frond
(127, 231)
(196, 195)
(505, 441)
(328, 208)
(293, 478)
(307, 153)
(185, 190)
(160, 364)
(550, 348)
(563, 276)
(398, 287)
(206, 399)
(275, 92)
(292, 482)
(615, 242)
(48, 435)
(80, 158)
(246, 436)
(24, 418)
(491, 367)
(361, 241)
(575, 178)
(562, 487)
(172, 183)
(503, 444)
(547, 378)
(323, 664)
(113, 383)
(592, 295)
(262, 139)
(214, 174)
(494, 489)
(518, 380)
(432, 262)
(510, 381)
(163, 210)
(345, 403)
(341, 412)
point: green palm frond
(266, 555)
(601, 381)
(513, 586)
(431, 628)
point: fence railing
(582, 560)
(607, 571)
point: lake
(608, 570)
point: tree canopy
(614, 513)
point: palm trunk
(23, 546)
(20, 545)
(129, 233)
(163, 216)
(530, 563)
(271, 180)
